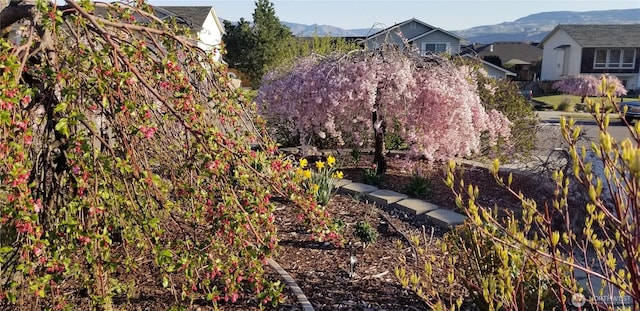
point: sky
(449, 15)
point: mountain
(534, 28)
(301, 30)
(531, 28)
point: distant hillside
(531, 28)
(535, 27)
(300, 30)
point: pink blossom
(37, 206)
(25, 100)
(333, 96)
(84, 240)
(148, 131)
(21, 125)
(589, 85)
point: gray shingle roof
(510, 50)
(194, 14)
(604, 35)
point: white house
(593, 49)
(203, 21)
(419, 35)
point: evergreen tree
(273, 40)
(240, 45)
(256, 48)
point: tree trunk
(378, 155)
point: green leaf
(165, 282)
(63, 127)
(5, 117)
(105, 101)
(166, 253)
(60, 107)
(5, 250)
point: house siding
(417, 29)
(556, 66)
(378, 41)
(438, 37)
(210, 35)
(391, 37)
(413, 29)
(580, 51)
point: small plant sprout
(372, 176)
(356, 155)
(366, 232)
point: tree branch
(14, 11)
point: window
(435, 47)
(614, 58)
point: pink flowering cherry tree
(589, 85)
(348, 99)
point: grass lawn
(551, 102)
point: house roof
(488, 64)
(196, 15)
(510, 52)
(591, 36)
(515, 61)
(398, 25)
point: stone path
(432, 213)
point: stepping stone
(290, 150)
(385, 197)
(339, 183)
(328, 152)
(356, 188)
(445, 218)
(414, 206)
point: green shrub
(392, 138)
(504, 96)
(565, 105)
(366, 232)
(126, 152)
(419, 186)
(371, 176)
(530, 262)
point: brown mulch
(322, 270)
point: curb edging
(291, 283)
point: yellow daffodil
(319, 165)
(306, 173)
(304, 163)
(331, 161)
(315, 189)
(338, 174)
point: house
(203, 21)
(520, 57)
(419, 35)
(593, 49)
(494, 71)
(424, 38)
